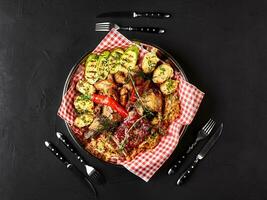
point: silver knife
(201, 155)
(94, 175)
(69, 165)
(134, 14)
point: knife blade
(68, 165)
(94, 175)
(134, 14)
(203, 152)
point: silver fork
(202, 133)
(107, 26)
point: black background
(222, 48)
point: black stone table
(222, 46)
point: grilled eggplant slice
(149, 62)
(162, 73)
(84, 87)
(84, 120)
(102, 65)
(169, 86)
(90, 68)
(129, 58)
(83, 104)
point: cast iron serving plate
(162, 54)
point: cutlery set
(202, 134)
(107, 26)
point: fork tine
(101, 30)
(102, 27)
(207, 124)
(211, 127)
(103, 23)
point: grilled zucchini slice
(129, 58)
(114, 60)
(90, 68)
(162, 73)
(83, 105)
(169, 86)
(149, 62)
(102, 65)
(84, 120)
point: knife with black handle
(202, 134)
(203, 152)
(151, 14)
(93, 174)
(177, 165)
(68, 165)
(69, 146)
(135, 14)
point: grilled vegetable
(83, 105)
(129, 58)
(84, 87)
(169, 86)
(109, 101)
(90, 68)
(149, 62)
(102, 65)
(162, 73)
(114, 60)
(84, 120)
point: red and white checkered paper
(145, 164)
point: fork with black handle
(203, 133)
(107, 26)
(93, 174)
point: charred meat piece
(123, 96)
(107, 112)
(128, 86)
(120, 78)
(139, 80)
(104, 86)
(99, 125)
(152, 100)
(172, 108)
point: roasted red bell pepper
(109, 101)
